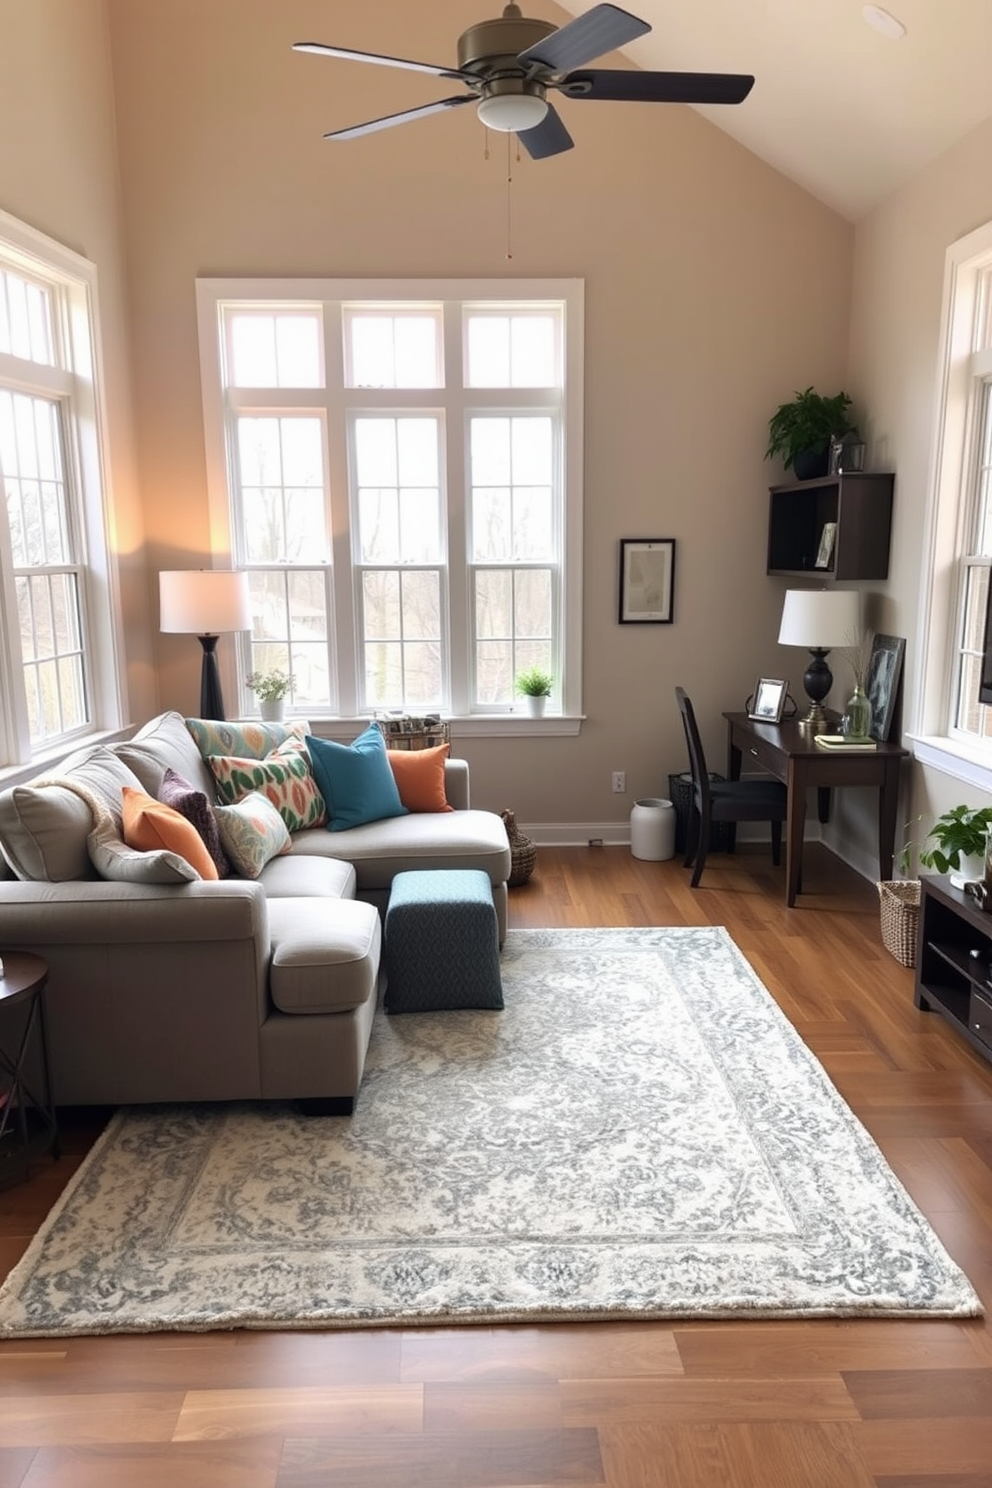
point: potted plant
(955, 844)
(801, 431)
(535, 685)
(271, 688)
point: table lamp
(819, 619)
(205, 602)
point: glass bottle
(856, 722)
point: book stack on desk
(838, 741)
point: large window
(56, 634)
(399, 470)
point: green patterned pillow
(284, 776)
(245, 740)
(252, 832)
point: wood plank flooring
(823, 1404)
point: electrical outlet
(619, 782)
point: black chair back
(697, 759)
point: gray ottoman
(442, 942)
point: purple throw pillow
(194, 806)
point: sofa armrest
(456, 783)
(95, 911)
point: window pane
(984, 478)
(494, 604)
(494, 673)
(402, 621)
(399, 496)
(490, 445)
(491, 524)
(31, 461)
(401, 351)
(54, 679)
(275, 350)
(25, 319)
(375, 452)
(289, 630)
(283, 496)
(512, 469)
(512, 350)
(532, 603)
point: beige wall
(895, 335)
(713, 289)
(58, 173)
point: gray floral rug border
(640, 1133)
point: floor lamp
(205, 602)
(819, 619)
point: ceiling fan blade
(600, 30)
(331, 51)
(658, 87)
(357, 130)
(550, 137)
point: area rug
(640, 1133)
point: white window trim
(212, 294)
(40, 256)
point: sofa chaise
(204, 989)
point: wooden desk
(787, 752)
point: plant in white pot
(534, 686)
(271, 688)
(955, 844)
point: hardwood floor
(823, 1404)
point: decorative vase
(536, 705)
(523, 852)
(856, 723)
(272, 709)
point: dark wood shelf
(860, 505)
(954, 961)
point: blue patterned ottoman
(442, 942)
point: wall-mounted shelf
(861, 507)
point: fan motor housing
(496, 44)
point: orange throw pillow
(149, 826)
(419, 775)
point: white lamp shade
(205, 601)
(512, 112)
(820, 618)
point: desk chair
(726, 801)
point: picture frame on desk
(882, 683)
(647, 580)
(767, 703)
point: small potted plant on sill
(955, 844)
(534, 685)
(271, 688)
(801, 431)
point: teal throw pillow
(355, 780)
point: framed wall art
(647, 580)
(882, 683)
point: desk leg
(888, 804)
(823, 803)
(795, 825)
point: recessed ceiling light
(888, 25)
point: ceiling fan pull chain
(509, 197)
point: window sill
(474, 726)
(954, 757)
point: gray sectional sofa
(226, 989)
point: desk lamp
(205, 602)
(819, 619)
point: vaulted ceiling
(840, 108)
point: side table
(28, 1126)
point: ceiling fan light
(512, 113)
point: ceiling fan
(510, 64)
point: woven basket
(523, 852)
(899, 903)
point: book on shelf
(838, 741)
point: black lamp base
(211, 697)
(817, 680)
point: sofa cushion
(246, 740)
(252, 833)
(284, 775)
(102, 771)
(151, 826)
(419, 776)
(355, 779)
(380, 850)
(163, 743)
(177, 792)
(43, 832)
(325, 956)
(293, 876)
(113, 859)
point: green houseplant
(535, 685)
(800, 431)
(955, 837)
